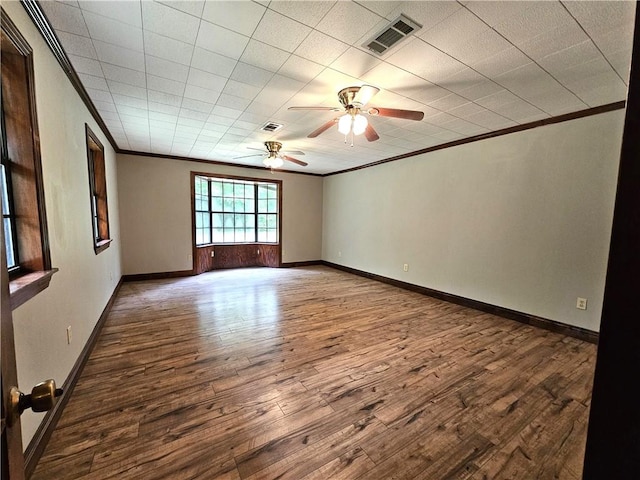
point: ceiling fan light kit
(275, 156)
(353, 101)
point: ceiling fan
(353, 100)
(275, 157)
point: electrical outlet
(581, 303)
(69, 335)
(213, 254)
(405, 267)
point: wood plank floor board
(313, 373)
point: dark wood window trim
(210, 209)
(97, 192)
(25, 167)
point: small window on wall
(234, 210)
(98, 192)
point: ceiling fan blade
(396, 113)
(365, 94)
(324, 127)
(332, 109)
(252, 155)
(295, 152)
(371, 134)
(294, 160)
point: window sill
(102, 245)
(27, 286)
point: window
(233, 210)
(98, 192)
(24, 219)
(8, 210)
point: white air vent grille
(397, 31)
(271, 127)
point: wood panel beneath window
(236, 256)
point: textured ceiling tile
(251, 75)
(124, 75)
(241, 17)
(163, 108)
(164, 98)
(105, 106)
(166, 69)
(551, 41)
(126, 89)
(300, 69)
(198, 93)
(281, 32)
(86, 65)
(427, 14)
(197, 105)
(449, 34)
(120, 56)
(122, 11)
(264, 56)
(77, 45)
(167, 48)
(165, 85)
(65, 18)
(307, 12)
(494, 12)
(480, 47)
(502, 62)
(339, 22)
(99, 95)
(114, 32)
(206, 80)
(169, 22)
(192, 7)
(599, 89)
(433, 65)
(529, 23)
(240, 89)
(221, 40)
(129, 101)
(321, 48)
(212, 62)
(355, 62)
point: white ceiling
(200, 78)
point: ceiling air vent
(398, 30)
(271, 127)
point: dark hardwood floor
(313, 373)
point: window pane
(238, 190)
(217, 220)
(218, 235)
(216, 204)
(227, 205)
(250, 235)
(216, 188)
(272, 206)
(239, 235)
(249, 205)
(262, 191)
(239, 221)
(262, 235)
(229, 236)
(199, 221)
(271, 221)
(271, 236)
(262, 221)
(228, 221)
(262, 206)
(206, 235)
(249, 191)
(250, 221)
(5, 200)
(227, 189)
(238, 205)
(8, 243)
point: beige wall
(81, 289)
(521, 221)
(155, 212)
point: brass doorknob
(42, 398)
